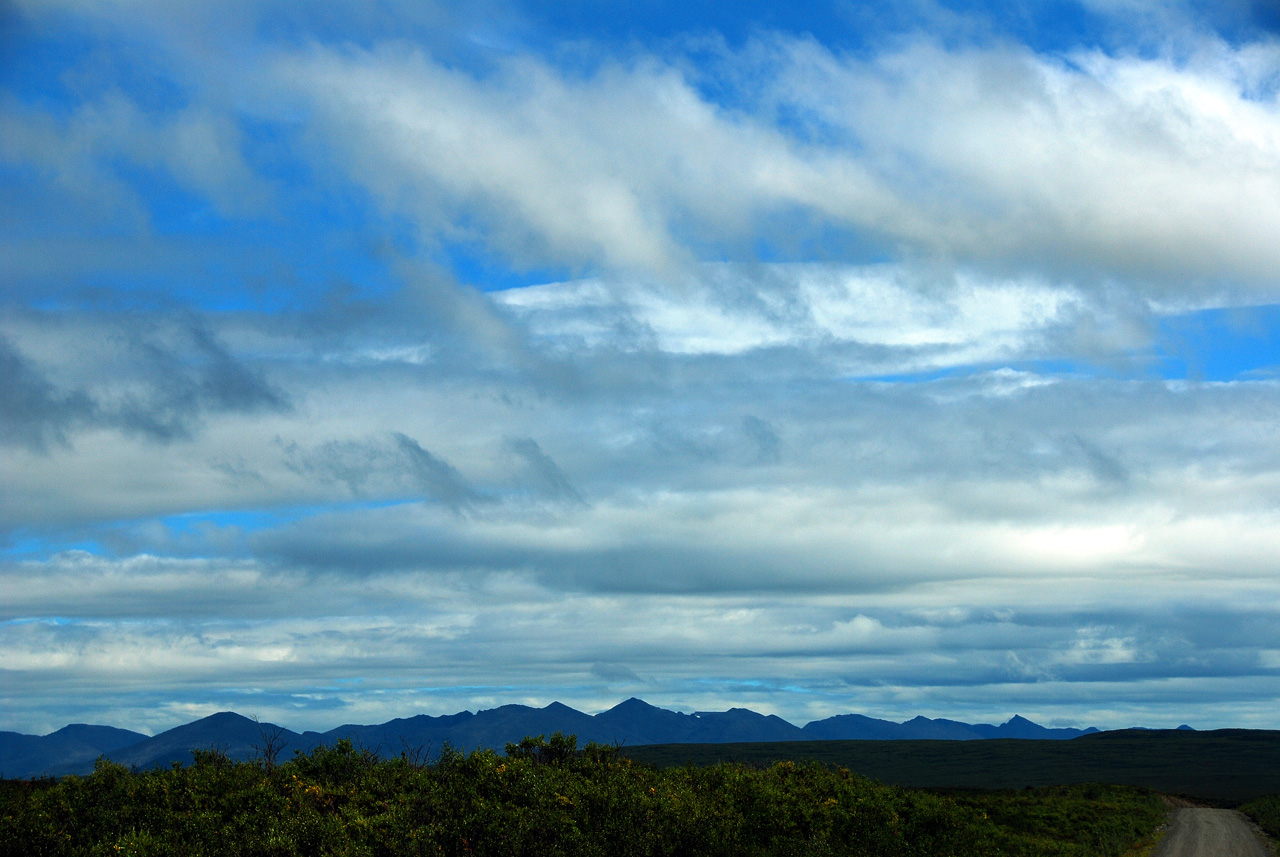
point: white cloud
(667, 470)
(622, 168)
(1144, 168)
(198, 148)
(1156, 171)
(907, 320)
(381, 645)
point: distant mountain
(71, 748)
(852, 727)
(237, 736)
(1020, 727)
(632, 722)
(855, 727)
(1183, 728)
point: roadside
(1197, 831)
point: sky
(361, 360)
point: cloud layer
(415, 368)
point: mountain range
(73, 749)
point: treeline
(544, 798)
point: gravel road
(1211, 833)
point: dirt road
(1211, 833)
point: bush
(546, 797)
(1266, 812)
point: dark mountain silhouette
(635, 721)
(855, 727)
(493, 728)
(1021, 727)
(852, 727)
(70, 748)
(231, 733)
(743, 721)
(631, 723)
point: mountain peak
(223, 718)
(559, 707)
(634, 704)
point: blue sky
(361, 360)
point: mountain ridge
(632, 722)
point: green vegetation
(1225, 767)
(1266, 812)
(1094, 818)
(546, 797)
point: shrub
(546, 797)
(1266, 812)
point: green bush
(1069, 820)
(1266, 812)
(546, 797)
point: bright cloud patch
(730, 310)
